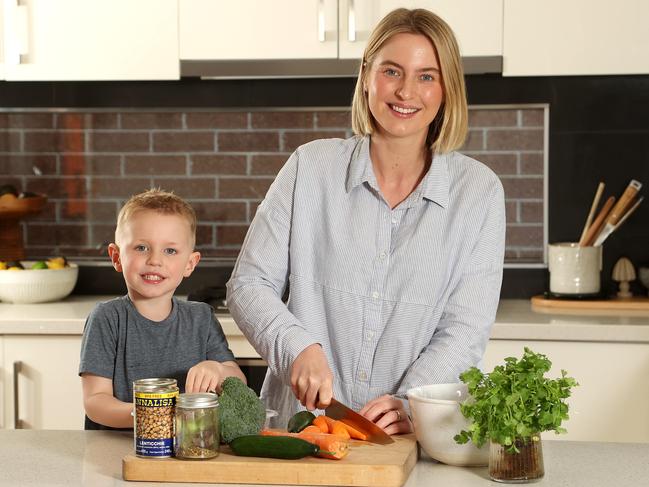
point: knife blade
(339, 411)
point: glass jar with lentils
(153, 425)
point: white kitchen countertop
(94, 458)
(515, 321)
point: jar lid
(152, 384)
(197, 400)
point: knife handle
(624, 202)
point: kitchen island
(94, 458)
(606, 353)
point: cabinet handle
(17, 31)
(351, 21)
(18, 424)
(321, 21)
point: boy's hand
(205, 376)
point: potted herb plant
(510, 407)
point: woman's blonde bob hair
(448, 130)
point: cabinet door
(91, 39)
(610, 403)
(48, 385)
(258, 29)
(4, 386)
(2, 43)
(579, 37)
(477, 25)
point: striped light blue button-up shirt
(396, 297)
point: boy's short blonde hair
(163, 202)
(448, 130)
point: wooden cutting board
(636, 303)
(366, 465)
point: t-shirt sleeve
(99, 344)
(217, 344)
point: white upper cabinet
(319, 29)
(258, 29)
(576, 37)
(91, 39)
(478, 25)
(2, 54)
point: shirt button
(362, 376)
(382, 255)
(369, 336)
(375, 295)
(394, 221)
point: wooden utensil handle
(597, 225)
(591, 213)
(624, 202)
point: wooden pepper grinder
(623, 273)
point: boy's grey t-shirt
(121, 344)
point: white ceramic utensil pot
(574, 270)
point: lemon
(56, 263)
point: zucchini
(284, 447)
(299, 421)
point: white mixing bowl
(37, 285)
(437, 418)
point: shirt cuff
(296, 339)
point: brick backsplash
(223, 162)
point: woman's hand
(388, 413)
(311, 378)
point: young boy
(149, 332)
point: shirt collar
(434, 186)
(360, 166)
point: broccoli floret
(241, 411)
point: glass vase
(517, 468)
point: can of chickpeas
(154, 403)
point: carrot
(340, 430)
(330, 422)
(354, 433)
(331, 446)
(320, 422)
(311, 429)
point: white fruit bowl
(437, 418)
(37, 285)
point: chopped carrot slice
(340, 430)
(354, 433)
(321, 422)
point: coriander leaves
(514, 401)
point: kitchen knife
(339, 411)
(618, 211)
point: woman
(392, 243)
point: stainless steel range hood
(307, 68)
